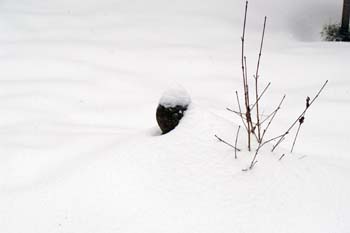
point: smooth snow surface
(175, 96)
(80, 150)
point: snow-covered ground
(80, 150)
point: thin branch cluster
(256, 127)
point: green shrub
(331, 32)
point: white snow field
(80, 150)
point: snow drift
(79, 146)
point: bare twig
(273, 116)
(240, 111)
(308, 105)
(236, 112)
(239, 127)
(262, 93)
(261, 144)
(244, 24)
(250, 167)
(246, 91)
(253, 162)
(245, 80)
(273, 139)
(301, 121)
(248, 112)
(256, 83)
(246, 116)
(244, 119)
(246, 77)
(261, 46)
(242, 53)
(223, 141)
(268, 117)
(253, 132)
(281, 157)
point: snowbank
(175, 96)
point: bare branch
(273, 139)
(243, 33)
(253, 162)
(223, 141)
(245, 80)
(301, 121)
(240, 112)
(256, 83)
(262, 93)
(236, 112)
(281, 157)
(268, 117)
(295, 138)
(242, 39)
(261, 144)
(273, 116)
(246, 88)
(247, 105)
(301, 115)
(239, 127)
(261, 46)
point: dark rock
(169, 117)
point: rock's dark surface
(169, 117)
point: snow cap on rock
(175, 96)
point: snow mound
(175, 96)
